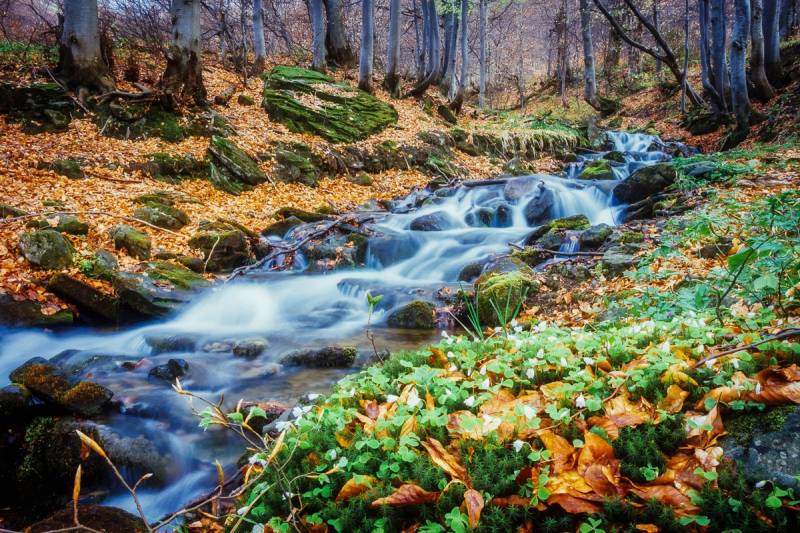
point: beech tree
(772, 42)
(448, 82)
(366, 58)
(338, 50)
(483, 23)
(718, 52)
(391, 81)
(458, 99)
(758, 73)
(433, 51)
(259, 46)
(318, 52)
(739, 36)
(589, 76)
(183, 77)
(81, 63)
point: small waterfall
(419, 247)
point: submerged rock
(413, 315)
(328, 357)
(140, 297)
(170, 371)
(539, 208)
(644, 182)
(249, 348)
(436, 221)
(30, 313)
(46, 248)
(281, 227)
(170, 343)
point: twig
(210, 253)
(558, 252)
(66, 91)
(200, 502)
(784, 334)
(90, 213)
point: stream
(420, 246)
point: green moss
(414, 315)
(642, 447)
(63, 224)
(344, 114)
(47, 248)
(235, 161)
(631, 237)
(178, 275)
(506, 292)
(574, 222)
(599, 169)
(71, 168)
(172, 168)
(133, 241)
(742, 427)
(162, 215)
(297, 163)
(244, 99)
(86, 398)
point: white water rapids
(295, 310)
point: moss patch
(505, 292)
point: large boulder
(96, 517)
(507, 292)
(306, 101)
(235, 161)
(599, 169)
(249, 348)
(595, 236)
(162, 215)
(30, 313)
(281, 227)
(85, 297)
(413, 315)
(46, 248)
(328, 357)
(617, 260)
(62, 224)
(540, 206)
(436, 221)
(141, 297)
(296, 162)
(224, 246)
(645, 182)
(133, 241)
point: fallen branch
(784, 334)
(557, 252)
(201, 502)
(87, 213)
(481, 183)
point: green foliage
(641, 449)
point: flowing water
(295, 310)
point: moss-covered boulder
(644, 182)
(178, 275)
(360, 178)
(413, 315)
(39, 107)
(49, 384)
(281, 227)
(101, 265)
(46, 248)
(296, 162)
(599, 169)
(142, 297)
(85, 297)
(617, 260)
(162, 215)
(230, 159)
(305, 216)
(97, 517)
(9, 211)
(447, 114)
(224, 246)
(62, 224)
(137, 243)
(174, 168)
(328, 357)
(30, 313)
(244, 99)
(595, 236)
(505, 292)
(70, 168)
(306, 101)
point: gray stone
(539, 208)
(595, 236)
(617, 260)
(328, 357)
(250, 348)
(413, 315)
(46, 248)
(436, 221)
(170, 343)
(645, 182)
(133, 241)
(170, 371)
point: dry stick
(211, 253)
(199, 503)
(90, 213)
(557, 252)
(784, 334)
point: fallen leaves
(408, 494)
(444, 459)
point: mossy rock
(628, 237)
(47, 248)
(599, 169)
(305, 216)
(137, 243)
(9, 211)
(281, 227)
(178, 275)
(142, 297)
(595, 236)
(127, 120)
(344, 114)
(85, 297)
(244, 99)
(574, 222)
(226, 155)
(224, 247)
(49, 384)
(447, 114)
(39, 107)
(329, 357)
(62, 224)
(101, 265)
(615, 156)
(362, 178)
(30, 313)
(162, 215)
(173, 168)
(70, 168)
(413, 315)
(507, 291)
(297, 163)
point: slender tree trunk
(740, 34)
(337, 47)
(772, 42)
(392, 81)
(80, 59)
(655, 24)
(758, 73)
(419, 40)
(718, 56)
(561, 30)
(259, 45)
(366, 58)
(183, 77)
(483, 23)
(458, 101)
(433, 68)
(685, 55)
(450, 43)
(243, 24)
(589, 76)
(706, 72)
(318, 52)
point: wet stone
(170, 371)
(249, 348)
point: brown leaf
(595, 449)
(408, 425)
(560, 449)
(408, 494)
(573, 505)
(673, 401)
(473, 501)
(355, 486)
(444, 459)
(623, 412)
(666, 494)
(606, 424)
(514, 500)
(602, 480)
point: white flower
(758, 388)
(709, 363)
(258, 528)
(760, 484)
(299, 411)
(446, 394)
(514, 323)
(486, 384)
(450, 355)
(735, 363)
(530, 373)
(469, 372)
(580, 401)
(518, 329)
(282, 425)
(540, 353)
(391, 398)
(332, 453)
(701, 348)
(528, 411)
(498, 329)
(413, 398)
(445, 335)
(257, 459)
(453, 368)
(470, 402)
(350, 393)
(313, 396)
(588, 360)
(518, 444)
(540, 327)
(665, 347)
(483, 370)
(564, 361)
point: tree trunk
(338, 49)
(366, 58)
(483, 23)
(183, 77)
(706, 72)
(758, 73)
(450, 42)
(80, 61)
(613, 47)
(718, 55)
(392, 81)
(655, 24)
(318, 52)
(685, 55)
(739, 37)
(433, 68)
(458, 100)
(772, 42)
(419, 40)
(259, 45)
(589, 76)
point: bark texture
(758, 73)
(318, 52)
(81, 63)
(183, 78)
(740, 34)
(366, 58)
(392, 81)
(338, 48)
(259, 46)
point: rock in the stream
(539, 208)
(413, 315)
(170, 343)
(249, 348)
(224, 247)
(62, 224)
(14, 401)
(170, 371)
(595, 236)
(97, 517)
(85, 297)
(437, 221)
(46, 248)
(516, 188)
(30, 313)
(599, 169)
(281, 227)
(133, 241)
(617, 260)
(645, 182)
(141, 298)
(470, 272)
(506, 291)
(328, 357)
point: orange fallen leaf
(355, 486)
(444, 459)
(473, 501)
(573, 505)
(560, 449)
(408, 494)
(673, 401)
